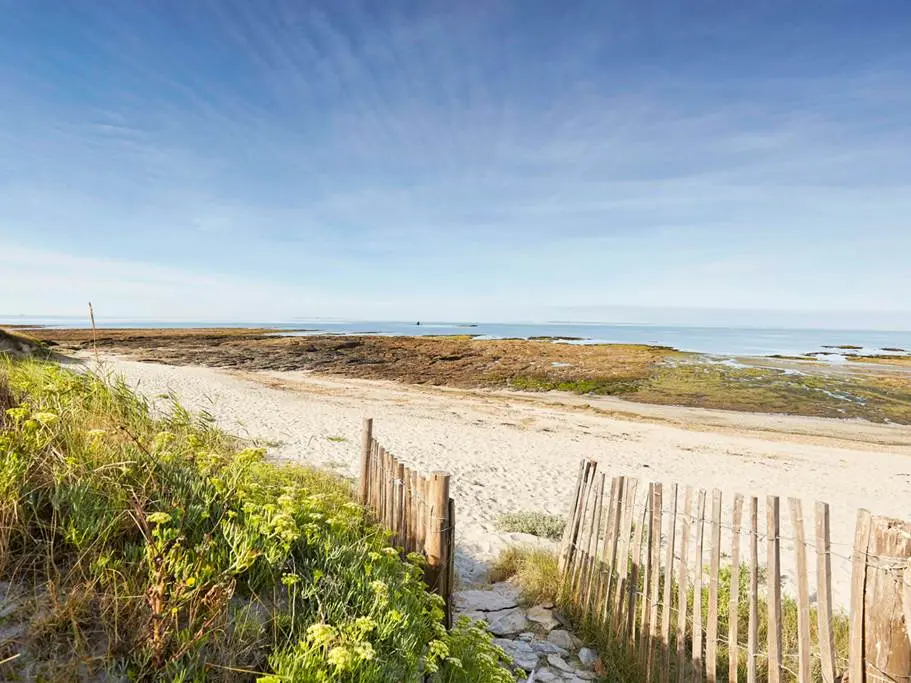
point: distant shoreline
(878, 389)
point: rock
(520, 651)
(483, 601)
(527, 636)
(588, 657)
(586, 675)
(577, 643)
(545, 647)
(545, 675)
(558, 662)
(561, 638)
(543, 616)
(507, 622)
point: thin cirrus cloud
(473, 158)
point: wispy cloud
(486, 154)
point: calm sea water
(734, 341)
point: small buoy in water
(418, 323)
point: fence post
(365, 459)
(856, 670)
(711, 630)
(734, 604)
(438, 526)
(753, 627)
(803, 593)
(887, 650)
(824, 594)
(773, 586)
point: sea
(722, 341)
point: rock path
(530, 635)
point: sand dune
(510, 452)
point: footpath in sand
(520, 452)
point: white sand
(519, 452)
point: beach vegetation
(534, 523)
(145, 547)
(534, 570)
(606, 386)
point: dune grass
(159, 548)
(534, 569)
(534, 523)
(536, 573)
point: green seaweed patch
(846, 347)
(601, 386)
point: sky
(471, 160)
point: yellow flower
(159, 518)
(191, 582)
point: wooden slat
(646, 575)
(856, 672)
(450, 568)
(580, 556)
(409, 510)
(573, 511)
(773, 587)
(698, 668)
(591, 568)
(734, 604)
(636, 561)
(667, 598)
(621, 565)
(654, 594)
(578, 536)
(609, 555)
(803, 593)
(421, 520)
(824, 594)
(682, 583)
(398, 505)
(753, 624)
(711, 631)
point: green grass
(336, 439)
(534, 569)
(534, 523)
(609, 386)
(162, 549)
(882, 398)
(621, 658)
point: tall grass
(622, 654)
(162, 549)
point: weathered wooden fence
(417, 510)
(634, 567)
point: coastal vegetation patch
(160, 548)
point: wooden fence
(417, 510)
(637, 573)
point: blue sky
(462, 160)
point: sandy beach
(513, 452)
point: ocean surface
(726, 341)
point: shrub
(162, 549)
(534, 523)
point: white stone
(520, 652)
(561, 638)
(545, 675)
(483, 601)
(586, 675)
(527, 636)
(558, 662)
(543, 616)
(588, 657)
(507, 622)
